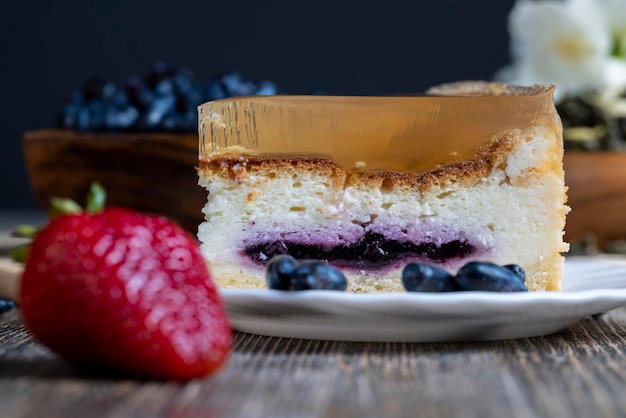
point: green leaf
(25, 231)
(19, 254)
(96, 198)
(619, 46)
(60, 206)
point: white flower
(615, 73)
(610, 98)
(615, 14)
(565, 43)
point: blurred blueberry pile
(165, 99)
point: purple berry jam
(372, 251)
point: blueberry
(420, 277)
(159, 108)
(183, 79)
(139, 93)
(6, 305)
(121, 119)
(315, 275)
(83, 119)
(164, 88)
(279, 271)
(517, 269)
(68, 116)
(119, 99)
(236, 85)
(486, 276)
(266, 88)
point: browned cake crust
(482, 88)
(238, 166)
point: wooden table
(579, 372)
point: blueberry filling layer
(372, 251)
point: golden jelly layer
(414, 133)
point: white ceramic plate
(589, 287)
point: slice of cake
(471, 172)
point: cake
(470, 171)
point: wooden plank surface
(579, 372)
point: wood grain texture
(578, 372)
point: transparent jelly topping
(375, 133)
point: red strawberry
(126, 291)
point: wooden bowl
(149, 172)
(597, 196)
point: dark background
(49, 48)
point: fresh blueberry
(517, 269)
(6, 305)
(68, 116)
(279, 271)
(183, 78)
(486, 276)
(420, 277)
(120, 99)
(97, 114)
(121, 119)
(164, 88)
(83, 119)
(158, 109)
(139, 93)
(315, 275)
(236, 85)
(266, 88)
